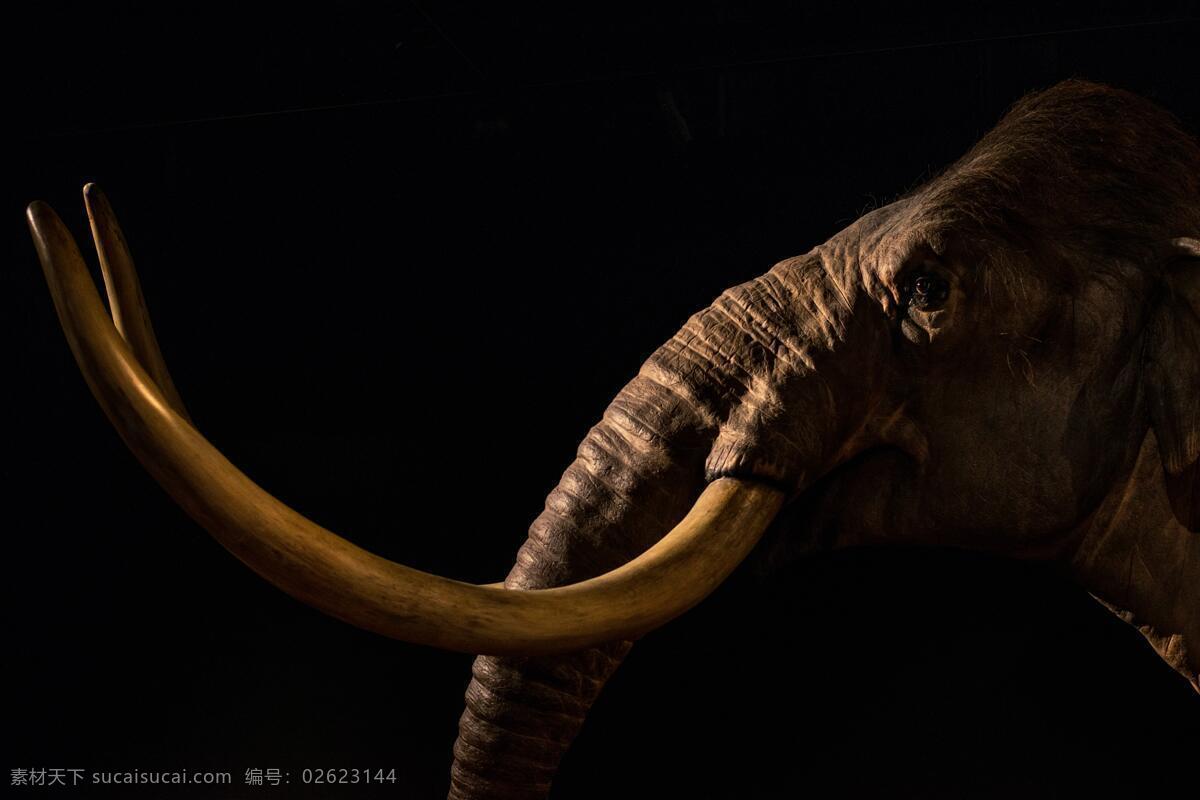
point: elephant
(1004, 359)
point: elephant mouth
(857, 502)
(120, 359)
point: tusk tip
(93, 198)
(40, 214)
(50, 234)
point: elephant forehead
(878, 244)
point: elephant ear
(1173, 379)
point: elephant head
(1005, 359)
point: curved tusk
(345, 581)
(129, 312)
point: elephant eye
(925, 291)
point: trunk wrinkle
(759, 329)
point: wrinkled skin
(1036, 396)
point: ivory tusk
(331, 574)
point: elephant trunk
(636, 474)
(706, 405)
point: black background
(399, 258)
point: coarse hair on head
(1091, 172)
